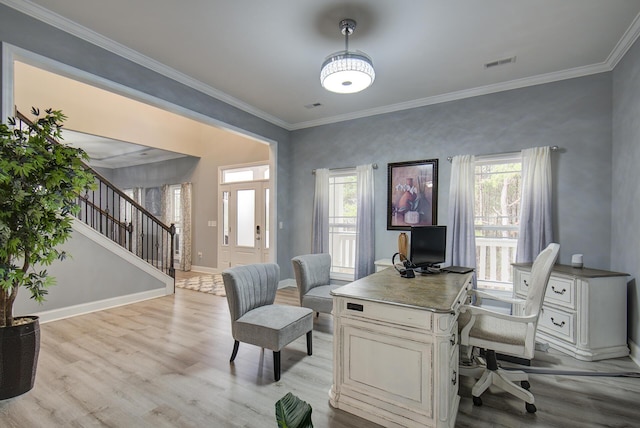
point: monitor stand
(429, 270)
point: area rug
(208, 283)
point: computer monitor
(428, 245)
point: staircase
(115, 215)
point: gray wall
(90, 273)
(156, 174)
(625, 207)
(573, 114)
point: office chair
(506, 334)
(255, 319)
(312, 278)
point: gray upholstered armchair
(251, 291)
(312, 278)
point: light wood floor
(165, 363)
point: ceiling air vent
(314, 105)
(499, 62)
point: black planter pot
(19, 349)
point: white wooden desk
(395, 357)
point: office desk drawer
(386, 313)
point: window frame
(349, 245)
(490, 284)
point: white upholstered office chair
(506, 334)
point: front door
(243, 237)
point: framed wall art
(412, 194)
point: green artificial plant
(40, 181)
(292, 412)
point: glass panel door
(246, 218)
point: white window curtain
(320, 226)
(461, 231)
(535, 208)
(365, 252)
(185, 241)
(165, 204)
(165, 218)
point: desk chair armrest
(476, 310)
(484, 295)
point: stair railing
(115, 215)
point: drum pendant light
(347, 72)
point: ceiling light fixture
(347, 72)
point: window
(343, 186)
(245, 173)
(497, 215)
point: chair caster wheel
(477, 401)
(531, 408)
(525, 384)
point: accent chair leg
(310, 342)
(236, 344)
(276, 365)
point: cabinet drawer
(454, 341)
(455, 375)
(560, 291)
(557, 323)
(386, 313)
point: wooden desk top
(434, 292)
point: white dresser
(395, 359)
(584, 313)
(382, 264)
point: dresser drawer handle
(526, 284)
(454, 378)
(560, 324)
(564, 290)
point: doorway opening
(244, 235)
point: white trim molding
(42, 14)
(100, 305)
(38, 12)
(635, 352)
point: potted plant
(40, 180)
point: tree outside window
(343, 210)
(497, 214)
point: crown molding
(459, 95)
(64, 24)
(624, 44)
(68, 26)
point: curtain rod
(374, 166)
(553, 149)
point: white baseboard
(289, 282)
(204, 269)
(634, 352)
(85, 308)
